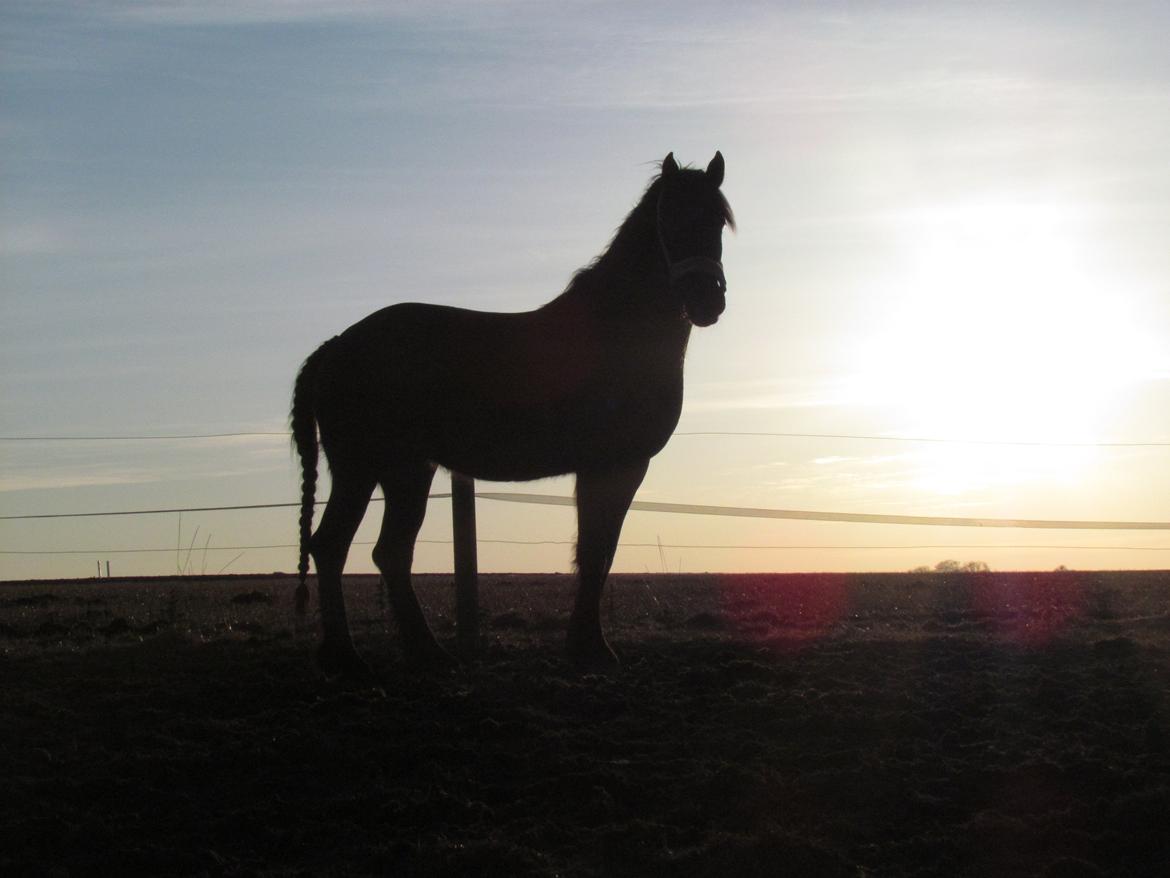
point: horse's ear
(715, 169)
(669, 165)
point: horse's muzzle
(705, 309)
(702, 287)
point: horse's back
(500, 396)
(414, 351)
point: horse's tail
(304, 436)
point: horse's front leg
(603, 497)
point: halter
(691, 265)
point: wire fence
(650, 506)
(643, 506)
(695, 433)
(682, 509)
(622, 545)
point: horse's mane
(636, 236)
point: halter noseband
(713, 268)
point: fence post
(466, 577)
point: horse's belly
(534, 443)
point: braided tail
(304, 437)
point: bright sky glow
(953, 224)
(1002, 327)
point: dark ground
(980, 724)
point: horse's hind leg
(329, 546)
(602, 501)
(406, 489)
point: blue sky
(952, 224)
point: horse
(589, 384)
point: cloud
(86, 477)
(765, 394)
(228, 12)
(31, 239)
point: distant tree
(952, 566)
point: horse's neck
(626, 336)
(630, 303)
(623, 299)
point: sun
(1001, 326)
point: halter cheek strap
(713, 268)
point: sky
(952, 225)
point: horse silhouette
(591, 384)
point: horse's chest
(636, 421)
(646, 413)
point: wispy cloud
(74, 477)
(229, 12)
(30, 239)
(769, 394)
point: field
(957, 724)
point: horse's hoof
(344, 663)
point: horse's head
(691, 215)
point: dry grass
(986, 724)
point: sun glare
(1001, 328)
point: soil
(961, 724)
